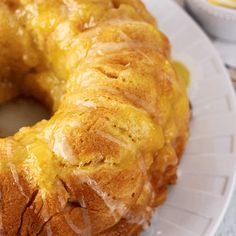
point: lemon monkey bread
(120, 116)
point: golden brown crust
(103, 162)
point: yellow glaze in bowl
(224, 3)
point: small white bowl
(218, 21)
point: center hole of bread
(20, 112)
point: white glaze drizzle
(86, 217)
(140, 219)
(117, 21)
(88, 104)
(49, 230)
(91, 23)
(73, 6)
(89, 84)
(133, 98)
(16, 179)
(151, 61)
(72, 225)
(62, 201)
(147, 185)
(103, 49)
(116, 208)
(81, 232)
(61, 147)
(143, 104)
(114, 140)
(84, 211)
(46, 217)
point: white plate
(196, 205)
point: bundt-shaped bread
(120, 119)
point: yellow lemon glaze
(120, 112)
(182, 71)
(224, 3)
